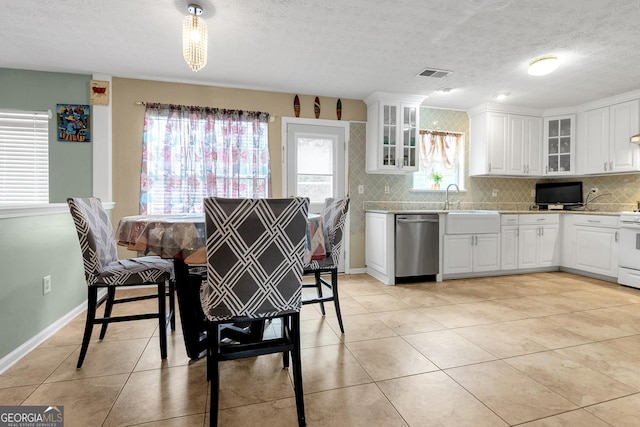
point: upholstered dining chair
(334, 215)
(103, 270)
(255, 252)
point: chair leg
(172, 303)
(92, 302)
(213, 372)
(162, 318)
(336, 300)
(111, 295)
(297, 368)
(318, 277)
(286, 332)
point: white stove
(629, 249)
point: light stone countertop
(503, 212)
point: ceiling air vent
(432, 72)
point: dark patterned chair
(255, 250)
(103, 269)
(334, 215)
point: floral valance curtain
(439, 146)
(189, 153)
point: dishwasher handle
(413, 221)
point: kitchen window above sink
(441, 161)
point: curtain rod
(439, 132)
(272, 117)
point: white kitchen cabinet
(509, 242)
(604, 139)
(392, 133)
(595, 244)
(524, 147)
(538, 240)
(470, 253)
(505, 144)
(559, 145)
(379, 244)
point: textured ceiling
(343, 48)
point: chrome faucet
(446, 202)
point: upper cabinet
(559, 145)
(505, 144)
(604, 138)
(393, 133)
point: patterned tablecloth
(183, 236)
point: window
(189, 153)
(441, 161)
(24, 157)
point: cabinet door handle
(611, 165)
(593, 221)
(605, 166)
(616, 238)
(542, 231)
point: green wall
(70, 163)
(40, 245)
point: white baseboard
(357, 271)
(12, 358)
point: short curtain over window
(24, 157)
(440, 160)
(189, 153)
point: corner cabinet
(393, 133)
(560, 145)
(605, 134)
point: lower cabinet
(508, 242)
(470, 253)
(594, 240)
(379, 246)
(538, 241)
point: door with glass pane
(314, 161)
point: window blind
(24, 157)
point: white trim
(14, 357)
(102, 146)
(37, 210)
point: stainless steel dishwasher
(416, 245)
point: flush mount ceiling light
(194, 38)
(502, 96)
(543, 65)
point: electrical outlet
(494, 193)
(46, 285)
(360, 189)
(386, 189)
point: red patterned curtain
(189, 153)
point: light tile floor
(547, 349)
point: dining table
(182, 238)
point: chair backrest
(334, 216)
(255, 250)
(95, 234)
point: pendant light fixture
(194, 38)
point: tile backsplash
(513, 193)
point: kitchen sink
(472, 222)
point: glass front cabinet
(392, 133)
(559, 145)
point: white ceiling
(343, 48)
